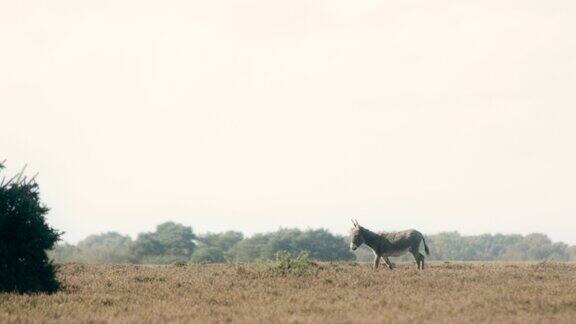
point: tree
(24, 238)
(171, 242)
(249, 249)
(447, 246)
(210, 254)
(225, 241)
(65, 252)
(219, 244)
(108, 247)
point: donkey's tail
(425, 246)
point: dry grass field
(334, 292)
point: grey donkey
(385, 245)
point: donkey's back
(398, 243)
(402, 235)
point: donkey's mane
(370, 237)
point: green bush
(285, 263)
(24, 238)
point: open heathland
(325, 292)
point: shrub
(24, 238)
(285, 263)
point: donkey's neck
(371, 239)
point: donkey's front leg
(376, 262)
(389, 263)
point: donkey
(385, 245)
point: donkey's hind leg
(421, 260)
(417, 257)
(390, 264)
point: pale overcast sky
(259, 114)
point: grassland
(333, 292)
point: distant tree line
(172, 242)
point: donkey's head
(356, 236)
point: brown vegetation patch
(334, 292)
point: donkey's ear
(354, 223)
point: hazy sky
(258, 114)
